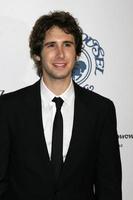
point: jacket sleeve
(108, 177)
(4, 149)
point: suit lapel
(78, 128)
(36, 119)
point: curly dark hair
(63, 20)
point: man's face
(58, 55)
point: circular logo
(82, 68)
(91, 60)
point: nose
(60, 52)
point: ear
(76, 58)
(37, 58)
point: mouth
(59, 65)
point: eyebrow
(53, 42)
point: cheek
(50, 55)
(71, 55)
(46, 57)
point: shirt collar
(47, 95)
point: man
(36, 161)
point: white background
(111, 23)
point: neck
(57, 86)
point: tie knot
(58, 102)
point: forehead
(56, 33)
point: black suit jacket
(92, 169)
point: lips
(62, 65)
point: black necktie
(57, 138)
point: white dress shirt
(48, 113)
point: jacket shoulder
(20, 94)
(92, 98)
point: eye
(51, 45)
(67, 44)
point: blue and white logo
(91, 61)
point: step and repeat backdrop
(105, 65)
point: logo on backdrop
(126, 137)
(1, 92)
(91, 62)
